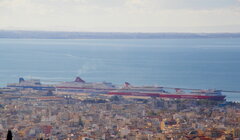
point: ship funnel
(78, 79)
(178, 90)
(126, 84)
(21, 80)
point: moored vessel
(80, 86)
(179, 93)
(30, 84)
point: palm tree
(9, 135)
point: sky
(121, 15)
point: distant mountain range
(108, 35)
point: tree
(115, 98)
(80, 122)
(49, 93)
(9, 135)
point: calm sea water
(189, 63)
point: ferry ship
(30, 84)
(128, 90)
(80, 86)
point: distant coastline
(21, 34)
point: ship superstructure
(30, 84)
(80, 85)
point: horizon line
(68, 31)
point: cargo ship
(80, 86)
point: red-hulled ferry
(128, 90)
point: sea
(212, 63)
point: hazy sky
(122, 15)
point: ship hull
(83, 90)
(32, 87)
(174, 96)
